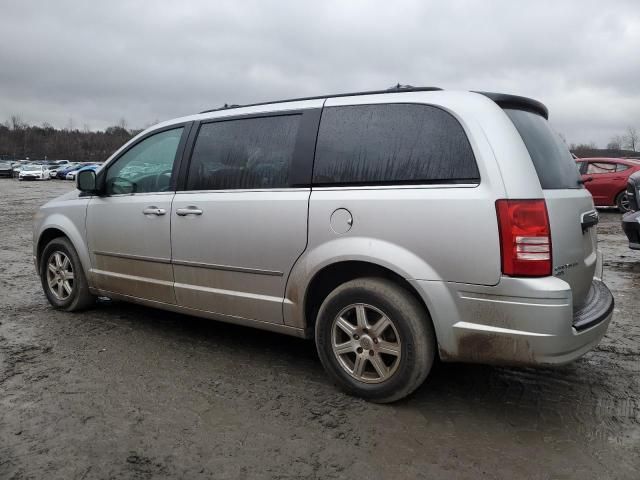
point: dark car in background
(606, 180)
(631, 219)
(6, 169)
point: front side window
(392, 143)
(250, 153)
(146, 167)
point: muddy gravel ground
(123, 391)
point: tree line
(628, 142)
(19, 140)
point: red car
(606, 179)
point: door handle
(154, 211)
(190, 210)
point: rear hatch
(572, 216)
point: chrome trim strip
(228, 293)
(476, 327)
(139, 194)
(133, 257)
(228, 268)
(186, 263)
(247, 190)
(135, 278)
(416, 186)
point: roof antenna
(399, 86)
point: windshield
(553, 162)
(30, 168)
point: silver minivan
(391, 227)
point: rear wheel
(63, 278)
(622, 201)
(375, 339)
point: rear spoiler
(520, 103)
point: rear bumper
(518, 322)
(631, 227)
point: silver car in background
(391, 227)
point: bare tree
(615, 143)
(122, 123)
(16, 122)
(632, 138)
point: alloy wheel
(366, 343)
(624, 202)
(60, 276)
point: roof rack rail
(394, 89)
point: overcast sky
(97, 62)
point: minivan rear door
(570, 207)
(240, 222)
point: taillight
(525, 237)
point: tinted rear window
(554, 164)
(392, 143)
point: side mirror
(86, 181)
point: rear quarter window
(551, 158)
(392, 144)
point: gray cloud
(97, 62)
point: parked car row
(44, 170)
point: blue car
(62, 173)
(71, 175)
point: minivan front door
(128, 228)
(241, 224)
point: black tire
(80, 298)
(621, 201)
(410, 320)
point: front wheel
(375, 339)
(63, 278)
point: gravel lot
(123, 391)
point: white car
(34, 172)
(71, 175)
